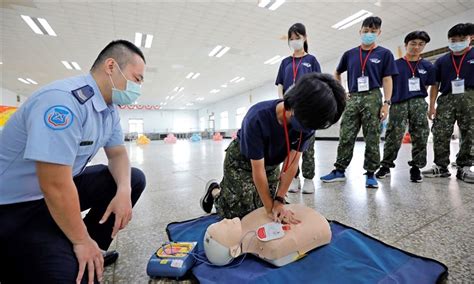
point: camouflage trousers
(412, 113)
(307, 165)
(238, 195)
(452, 108)
(362, 110)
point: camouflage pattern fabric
(362, 110)
(238, 195)
(452, 108)
(411, 112)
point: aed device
(172, 260)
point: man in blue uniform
(369, 67)
(45, 183)
(409, 107)
(455, 81)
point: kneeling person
(45, 182)
(273, 132)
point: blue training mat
(351, 257)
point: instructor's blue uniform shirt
(425, 71)
(262, 137)
(380, 64)
(66, 123)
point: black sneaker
(110, 257)
(207, 201)
(465, 174)
(383, 172)
(415, 174)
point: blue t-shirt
(380, 64)
(261, 136)
(425, 71)
(308, 64)
(445, 71)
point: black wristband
(279, 199)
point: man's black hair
(459, 30)
(372, 22)
(120, 50)
(421, 35)
(317, 100)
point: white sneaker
(295, 185)
(308, 186)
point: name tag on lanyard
(362, 84)
(457, 86)
(414, 84)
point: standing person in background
(291, 70)
(369, 67)
(455, 81)
(409, 107)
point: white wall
(162, 121)
(437, 31)
(267, 91)
(9, 98)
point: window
(202, 123)
(135, 126)
(211, 122)
(239, 116)
(224, 120)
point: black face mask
(296, 125)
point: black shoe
(110, 257)
(415, 174)
(207, 200)
(383, 172)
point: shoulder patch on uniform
(83, 94)
(58, 117)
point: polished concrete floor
(433, 219)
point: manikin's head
(222, 241)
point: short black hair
(422, 35)
(470, 28)
(120, 50)
(317, 100)
(372, 22)
(459, 30)
(298, 28)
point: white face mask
(296, 44)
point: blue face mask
(458, 46)
(296, 125)
(127, 96)
(368, 38)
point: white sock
(215, 192)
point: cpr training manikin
(276, 243)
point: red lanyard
(287, 139)
(411, 67)
(458, 70)
(363, 63)
(295, 70)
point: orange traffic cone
(406, 138)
